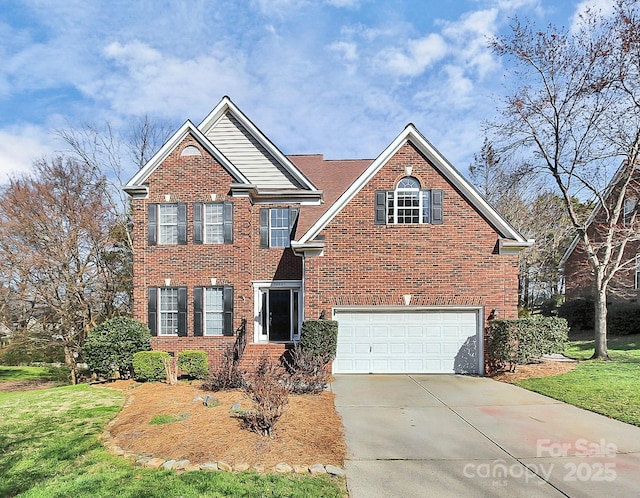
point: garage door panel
(407, 342)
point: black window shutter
(152, 224)
(264, 227)
(227, 294)
(228, 222)
(293, 218)
(182, 311)
(436, 206)
(197, 311)
(182, 223)
(381, 207)
(197, 223)
(152, 310)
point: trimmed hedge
(320, 337)
(622, 318)
(194, 363)
(149, 365)
(517, 342)
(110, 347)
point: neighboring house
(578, 275)
(402, 251)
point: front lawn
(49, 447)
(56, 374)
(606, 387)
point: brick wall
(192, 179)
(455, 263)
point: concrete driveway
(449, 435)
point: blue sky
(338, 77)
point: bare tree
(534, 211)
(59, 249)
(574, 116)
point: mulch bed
(308, 432)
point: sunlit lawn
(49, 447)
(607, 387)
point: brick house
(578, 276)
(400, 250)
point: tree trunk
(601, 352)
(72, 363)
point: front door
(279, 325)
(279, 314)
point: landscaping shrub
(194, 363)
(517, 342)
(267, 388)
(110, 347)
(320, 338)
(623, 319)
(150, 365)
(308, 373)
(579, 313)
(225, 375)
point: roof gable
(136, 186)
(411, 134)
(260, 161)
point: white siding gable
(248, 155)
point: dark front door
(279, 315)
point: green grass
(49, 447)
(34, 373)
(606, 387)
(165, 418)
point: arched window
(409, 204)
(190, 150)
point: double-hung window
(167, 308)
(279, 227)
(276, 226)
(213, 223)
(213, 311)
(168, 311)
(167, 223)
(408, 204)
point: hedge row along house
(401, 250)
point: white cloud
(415, 58)
(150, 82)
(20, 147)
(605, 7)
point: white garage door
(407, 342)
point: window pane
(213, 311)
(168, 224)
(213, 224)
(279, 227)
(426, 206)
(168, 311)
(408, 207)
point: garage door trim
(478, 310)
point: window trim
(199, 314)
(265, 226)
(429, 208)
(200, 225)
(154, 311)
(154, 225)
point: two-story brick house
(400, 250)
